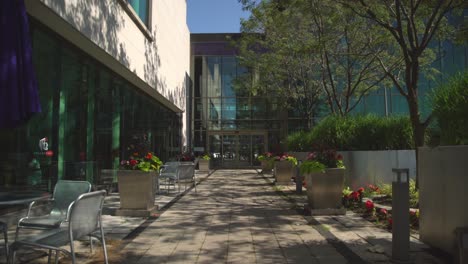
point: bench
(177, 172)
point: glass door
(236, 151)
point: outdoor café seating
(83, 219)
(56, 208)
(177, 172)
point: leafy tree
(278, 65)
(310, 50)
(413, 24)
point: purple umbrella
(19, 98)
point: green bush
(364, 132)
(450, 109)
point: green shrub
(362, 132)
(298, 141)
(450, 109)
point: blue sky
(214, 16)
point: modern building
(235, 128)
(111, 74)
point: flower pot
(204, 165)
(324, 190)
(284, 171)
(136, 189)
(267, 166)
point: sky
(214, 16)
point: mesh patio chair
(168, 174)
(65, 192)
(186, 174)
(84, 219)
(4, 229)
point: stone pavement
(237, 216)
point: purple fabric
(19, 98)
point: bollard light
(400, 216)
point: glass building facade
(230, 125)
(90, 118)
(235, 128)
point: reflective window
(141, 8)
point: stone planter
(136, 190)
(324, 190)
(267, 166)
(443, 196)
(284, 171)
(204, 165)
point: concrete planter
(136, 190)
(324, 190)
(442, 195)
(267, 166)
(284, 171)
(372, 167)
(204, 165)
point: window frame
(144, 28)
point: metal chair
(65, 192)
(186, 174)
(168, 174)
(4, 228)
(84, 219)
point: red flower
(360, 190)
(355, 196)
(339, 157)
(133, 162)
(383, 212)
(148, 156)
(390, 222)
(369, 205)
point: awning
(19, 98)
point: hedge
(367, 132)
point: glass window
(141, 8)
(228, 75)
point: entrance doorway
(236, 150)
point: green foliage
(386, 189)
(298, 141)
(206, 157)
(413, 194)
(450, 108)
(311, 166)
(367, 132)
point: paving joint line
(334, 241)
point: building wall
(154, 58)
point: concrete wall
(154, 58)
(372, 167)
(443, 195)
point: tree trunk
(419, 129)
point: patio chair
(4, 228)
(84, 219)
(186, 174)
(65, 192)
(168, 174)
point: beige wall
(443, 195)
(156, 61)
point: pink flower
(383, 212)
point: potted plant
(267, 160)
(284, 168)
(204, 163)
(137, 180)
(323, 172)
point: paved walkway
(236, 216)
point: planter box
(267, 166)
(324, 190)
(203, 165)
(284, 171)
(372, 167)
(136, 189)
(443, 195)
